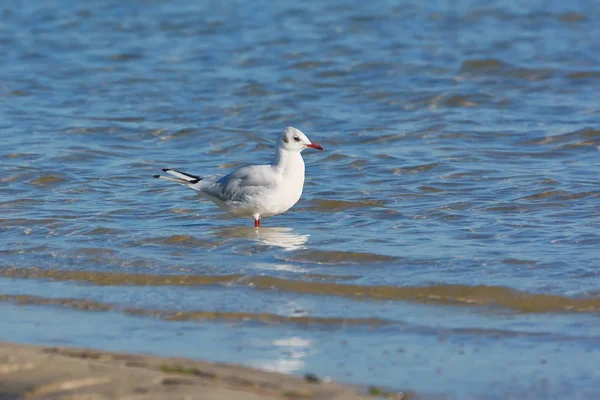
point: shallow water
(447, 241)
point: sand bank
(37, 372)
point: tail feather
(179, 177)
(182, 175)
(166, 178)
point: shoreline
(50, 372)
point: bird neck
(288, 162)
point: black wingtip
(156, 176)
(166, 169)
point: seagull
(256, 191)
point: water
(447, 239)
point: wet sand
(37, 372)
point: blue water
(447, 241)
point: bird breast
(291, 191)
(289, 187)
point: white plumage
(256, 191)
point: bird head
(293, 139)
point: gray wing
(244, 183)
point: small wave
(116, 278)
(200, 315)
(559, 195)
(431, 189)
(517, 261)
(21, 155)
(21, 222)
(184, 211)
(20, 203)
(482, 65)
(385, 138)
(336, 157)
(256, 317)
(494, 67)
(342, 205)
(584, 75)
(337, 257)
(165, 134)
(454, 100)
(93, 251)
(126, 57)
(416, 169)
(47, 180)
(311, 64)
(572, 17)
(335, 73)
(101, 231)
(77, 304)
(530, 74)
(225, 149)
(585, 136)
(543, 195)
(443, 294)
(179, 240)
(491, 296)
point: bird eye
(296, 138)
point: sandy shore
(36, 372)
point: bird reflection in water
(270, 236)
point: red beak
(315, 146)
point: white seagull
(256, 191)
